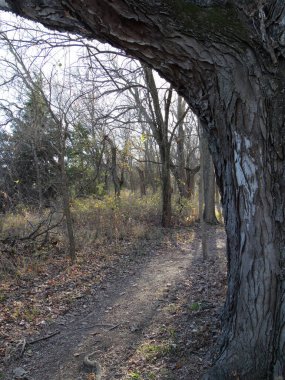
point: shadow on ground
(155, 315)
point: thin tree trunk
(166, 187)
(159, 128)
(204, 242)
(38, 176)
(116, 180)
(142, 181)
(152, 172)
(208, 181)
(132, 176)
(181, 173)
(190, 180)
(186, 189)
(66, 210)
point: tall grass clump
(111, 219)
(114, 219)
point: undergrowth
(106, 222)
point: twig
(36, 233)
(114, 327)
(43, 227)
(44, 337)
(24, 344)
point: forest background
(91, 136)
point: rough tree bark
(227, 59)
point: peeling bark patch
(246, 174)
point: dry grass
(108, 220)
(130, 217)
(99, 224)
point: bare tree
(153, 111)
(58, 112)
(118, 181)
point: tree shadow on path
(154, 316)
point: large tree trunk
(250, 177)
(227, 59)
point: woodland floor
(149, 310)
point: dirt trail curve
(126, 308)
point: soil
(154, 314)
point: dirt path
(155, 316)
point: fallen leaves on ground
(185, 326)
(34, 298)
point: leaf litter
(151, 312)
